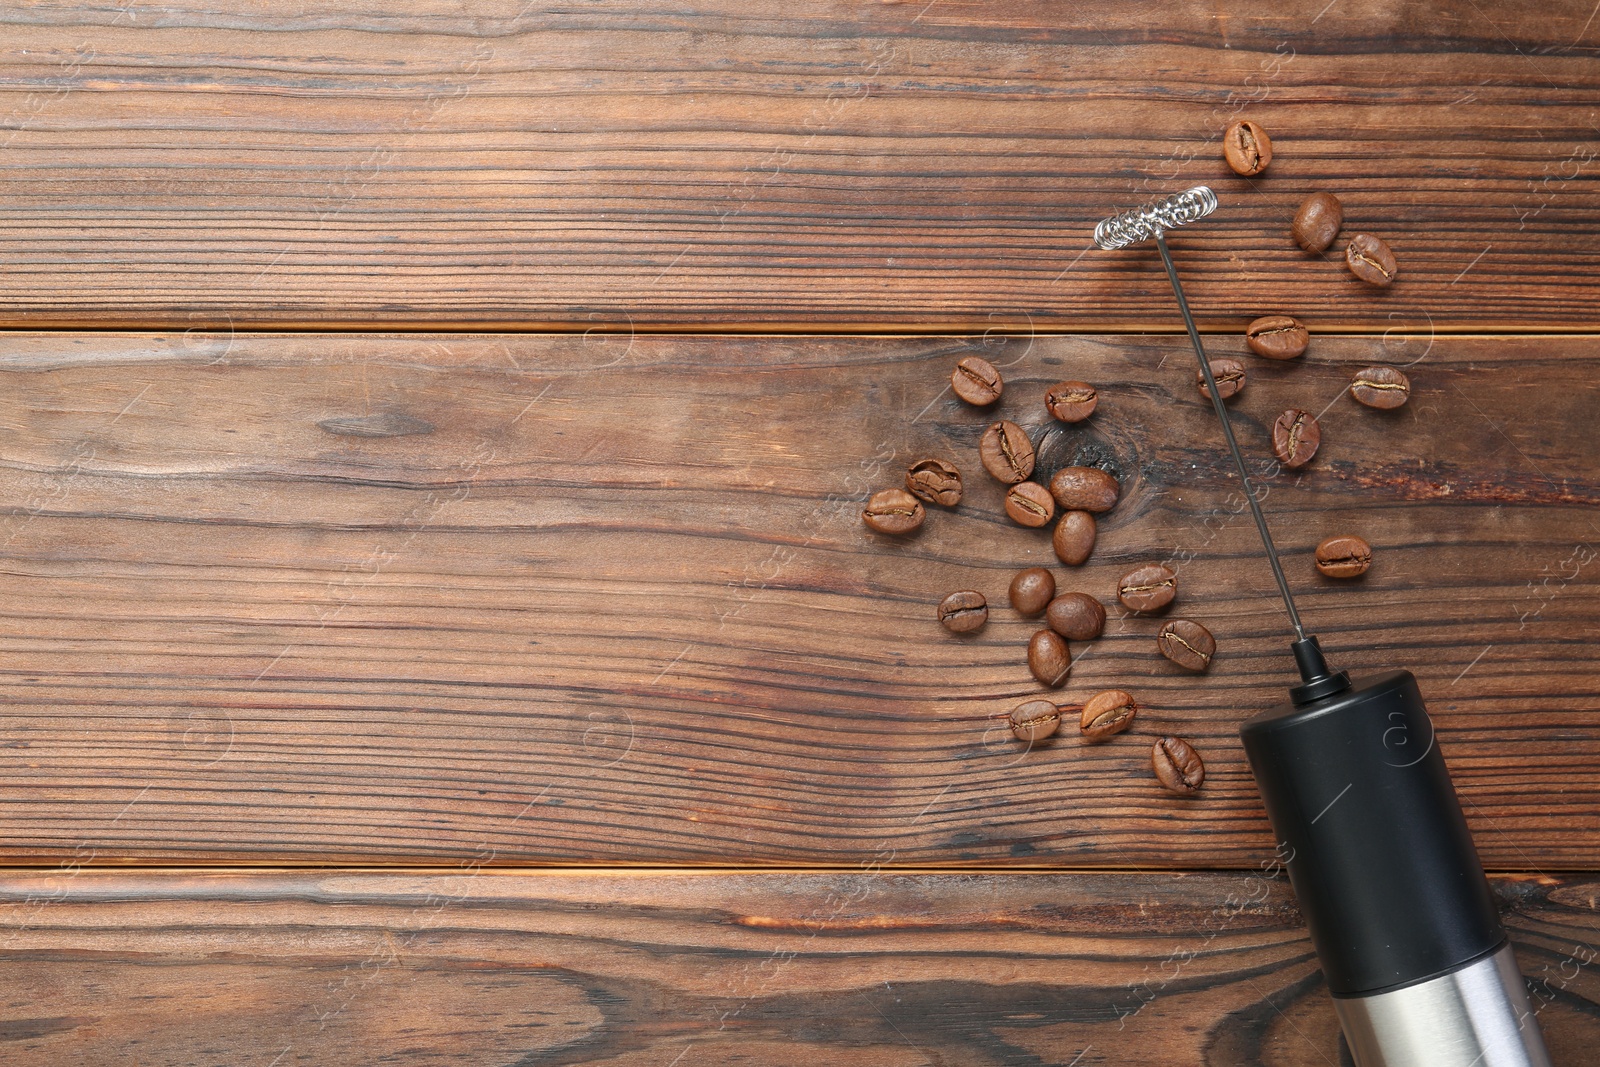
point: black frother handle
(1378, 851)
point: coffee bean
(1074, 538)
(1188, 644)
(1148, 588)
(977, 382)
(1006, 452)
(1295, 437)
(1107, 713)
(1317, 222)
(935, 481)
(1380, 387)
(1071, 401)
(1032, 590)
(1177, 765)
(1030, 504)
(1049, 657)
(1085, 489)
(1344, 557)
(1370, 260)
(1277, 336)
(1229, 376)
(1076, 616)
(893, 511)
(1246, 147)
(963, 612)
(1035, 720)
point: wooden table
(437, 623)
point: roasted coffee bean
(1229, 375)
(1030, 504)
(1085, 489)
(964, 612)
(1049, 657)
(1035, 720)
(1246, 147)
(1277, 336)
(1317, 222)
(1344, 557)
(1107, 713)
(1006, 452)
(1177, 765)
(976, 381)
(1380, 387)
(1148, 588)
(1370, 260)
(1032, 590)
(1076, 616)
(1074, 538)
(893, 511)
(935, 481)
(1188, 644)
(1295, 437)
(1071, 401)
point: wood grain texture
(494, 970)
(795, 164)
(616, 604)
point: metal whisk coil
(1143, 223)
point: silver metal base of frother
(1475, 1017)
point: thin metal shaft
(1227, 432)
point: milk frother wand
(1378, 852)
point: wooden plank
(301, 967)
(797, 164)
(616, 605)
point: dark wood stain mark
(386, 424)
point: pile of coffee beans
(1069, 495)
(1043, 488)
